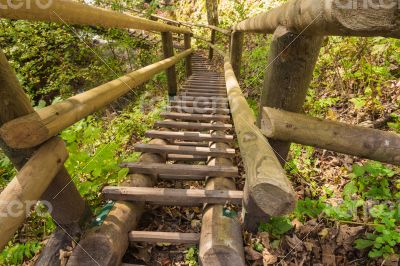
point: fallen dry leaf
(251, 254)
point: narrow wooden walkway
(197, 132)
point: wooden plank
(189, 143)
(180, 169)
(182, 177)
(201, 99)
(164, 237)
(171, 196)
(188, 62)
(187, 136)
(198, 110)
(35, 128)
(206, 103)
(201, 94)
(194, 117)
(191, 126)
(174, 149)
(186, 158)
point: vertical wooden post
(236, 52)
(68, 206)
(188, 45)
(289, 72)
(168, 48)
(212, 41)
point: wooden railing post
(168, 48)
(68, 206)
(212, 41)
(236, 51)
(291, 63)
(188, 45)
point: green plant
(276, 226)
(17, 253)
(191, 256)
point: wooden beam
(69, 209)
(268, 191)
(26, 188)
(368, 143)
(175, 149)
(191, 126)
(71, 12)
(187, 136)
(195, 117)
(164, 237)
(291, 62)
(330, 17)
(236, 49)
(198, 110)
(172, 196)
(180, 169)
(190, 103)
(107, 243)
(188, 45)
(212, 41)
(168, 48)
(35, 128)
(186, 158)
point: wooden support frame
(168, 48)
(268, 192)
(69, 209)
(35, 128)
(188, 45)
(331, 135)
(236, 50)
(27, 187)
(329, 17)
(291, 62)
(70, 12)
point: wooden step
(198, 110)
(172, 196)
(189, 143)
(186, 158)
(205, 86)
(202, 94)
(180, 169)
(200, 104)
(188, 136)
(192, 125)
(182, 177)
(174, 149)
(194, 117)
(200, 101)
(201, 90)
(164, 237)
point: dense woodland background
(347, 206)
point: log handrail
(66, 11)
(328, 17)
(33, 129)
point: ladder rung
(180, 169)
(172, 196)
(188, 136)
(194, 117)
(174, 149)
(186, 158)
(164, 237)
(182, 177)
(219, 99)
(192, 125)
(203, 94)
(199, 103)
(198, 110)
(190, 143)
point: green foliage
(191, 256)
(16, 254)
(309, 208)
(276, 226)
(7, 170)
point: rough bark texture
(236, 52)
(68, 207)
(35, 128)
(359, 141)
(212, 18)
(291, 62)
(221, 236)
(268, 192)
(106, 244)
(71, 12)
(330, 17)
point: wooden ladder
(197, 129)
